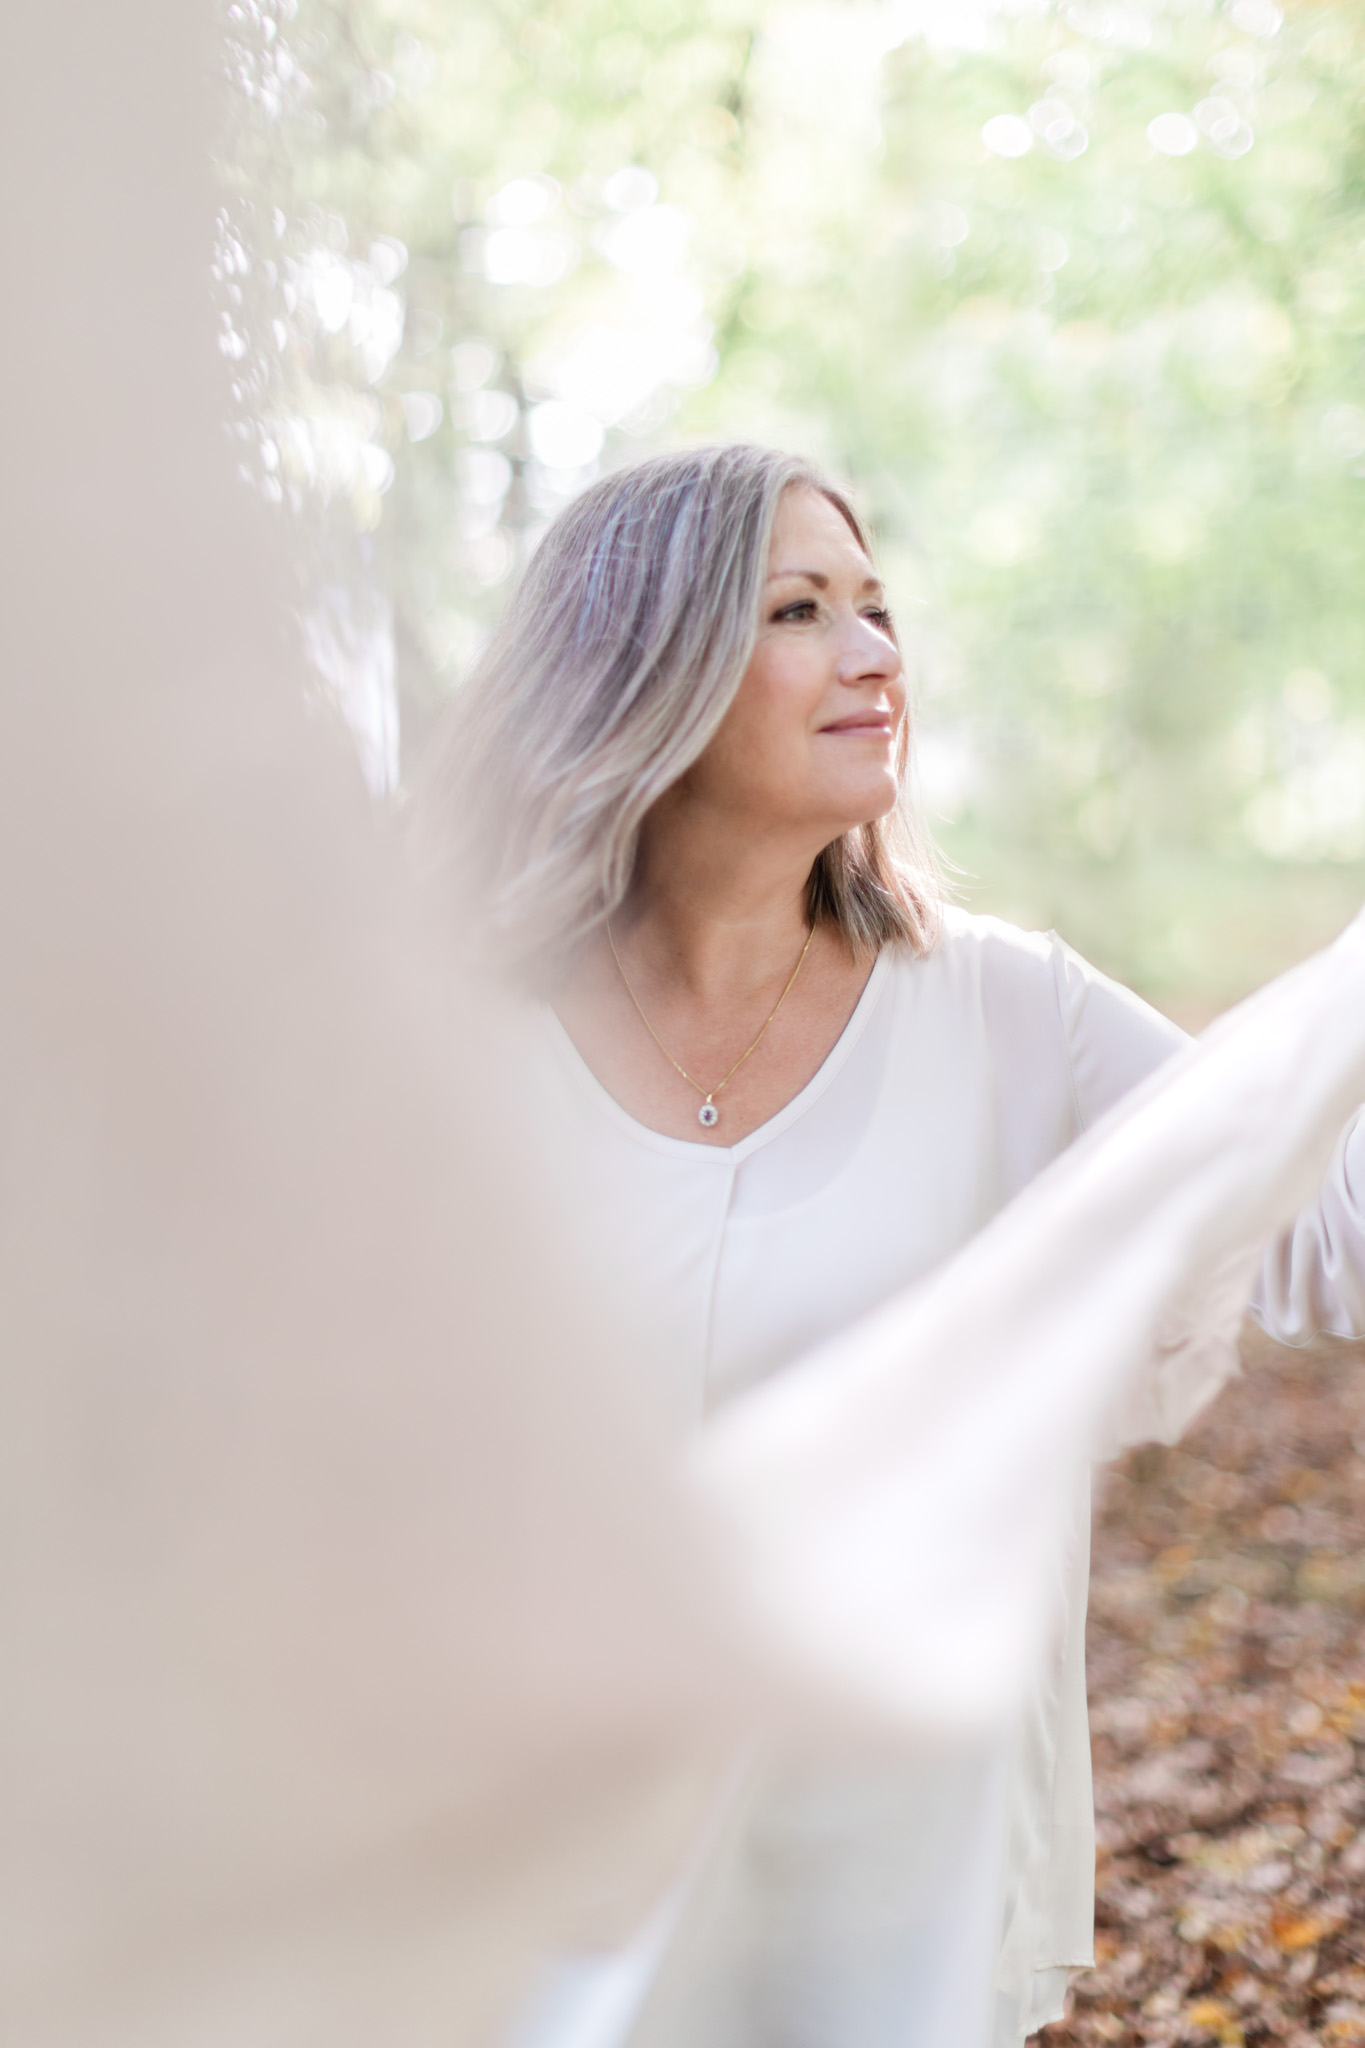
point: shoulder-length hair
(617, 657)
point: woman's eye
(806, 608)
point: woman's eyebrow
(818, 578)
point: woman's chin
(831, 830)
(829, 813)
(865, 805)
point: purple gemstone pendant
(708, 1114)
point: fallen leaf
(1217, 2019)
(1292, 1933)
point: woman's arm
(1114, 1039)
(1312, 1280)
(1313, 1276)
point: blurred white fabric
(357, 1633)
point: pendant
(709, 1115)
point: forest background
(1071, 291)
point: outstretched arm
(1312, 1280)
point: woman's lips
(869, 722)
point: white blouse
(957, 1079)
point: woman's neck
(708, 952)
(715, 916)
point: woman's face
(812, 739)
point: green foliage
(1097, 374)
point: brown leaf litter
(1227, 1688)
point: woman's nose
(869, 652)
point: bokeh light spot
(422, 414)
(564, 436)
(1173, 134)
(1007, 135)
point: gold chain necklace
(708, 1114)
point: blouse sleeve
(1113, 1039)
(1312, 1278)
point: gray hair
(618, 655)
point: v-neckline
(764, 1133)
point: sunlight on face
(812, 739)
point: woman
(787, 1079)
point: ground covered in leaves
(1227, 1686)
